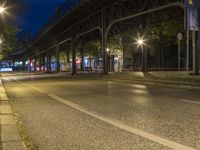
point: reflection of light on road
(138, 91)
(128, 85)
(18, 90)
(139, 74)
(139, 86)
(143, 93)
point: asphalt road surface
(87, 114)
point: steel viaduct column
(40, 63)
(82, 56)
(73, 47)
(48, 62)
(104, 44)
(57, 58)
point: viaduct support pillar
(10, 63)
(82, 56)
(104, 44)
(197, 54)
(35, 64)
(57, 58)
(23, 64)
(73, 57)
(48, 62)
(13, 64)
(43, 62)
(196, 47)
(40, 63)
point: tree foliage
(165, 35)
(167, 30)
(8, 27)
(8, 35)
(93, 48)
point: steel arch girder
(177, 4)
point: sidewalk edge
(9, 128)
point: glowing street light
(2, 9)
(141, 43)
(1, 41)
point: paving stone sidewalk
(9, 134)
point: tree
(163, 41)
(92, 48)
(8, 27)
(168, 30)
(8, 35)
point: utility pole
(179, 37)
(192, 24)
(188, 51)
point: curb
(10, 136)
(163, 83)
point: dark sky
(38, 12)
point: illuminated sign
(5, 69)
(190, 2)
(192, 19)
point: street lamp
(141, 43)
(108, 58)
(2, 9)
(108, 50)
(1, 42)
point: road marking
(188, 101)
(32, 87)
(157, 139)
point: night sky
(38, 12)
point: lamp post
(108, 58)
(141, 43)
(179, 37)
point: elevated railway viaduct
(76, 23)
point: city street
(64, 113)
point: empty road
(60, 113)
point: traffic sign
(179, 36)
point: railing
(61, 11)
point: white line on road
(32, 87)
(157, 139)
(189, 101)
